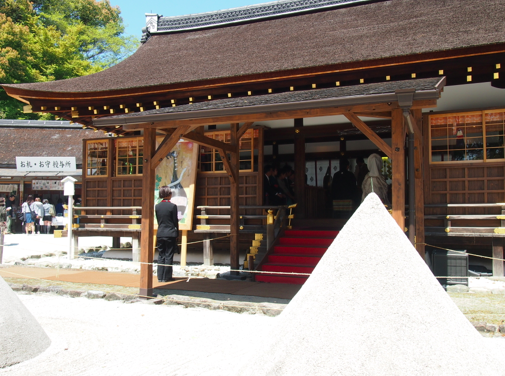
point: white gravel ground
(373, 307)
(98, 337)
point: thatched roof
(330, 37)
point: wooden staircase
(298, 251)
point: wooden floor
(217, 286)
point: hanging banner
(178, 171)
(47, 185)
(45, 164)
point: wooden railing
(475, 225)
(107, 221)
(107, 224)
(271, 223)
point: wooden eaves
(188, 120)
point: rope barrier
(273, 272)
(462, 252)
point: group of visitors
(349, 189)
(34, 216)
(278, 186)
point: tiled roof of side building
(328, 38)
(40, 142)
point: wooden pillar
(343, 147)
(135, 247)
(299, 140)
(184, 247)
(275, 154)
(398, 164)
(147, 238)
(419, 183)
(497, 257)
(116, 242)
(234, 201)
(208, 252)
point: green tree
(47, 40)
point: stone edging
(268, 309)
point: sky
(133, 11)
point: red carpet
(298, 251)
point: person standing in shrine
(168, 231)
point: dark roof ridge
(161, 25)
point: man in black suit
(168, 231)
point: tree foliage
(46, 40)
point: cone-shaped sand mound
(373, 307)
(21, 336)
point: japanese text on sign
(47, 164)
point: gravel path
(91, 337)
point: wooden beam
(280, 115)
(146, 240)
(234, 201)
(168, 144)
(244, 129)
(382, 115)
(227, 166)
(418, 175)
(379, 142)
(398, 164)
(209, 142)
(414, 120)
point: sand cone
(21, 336)
(373, 307)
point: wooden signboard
(178, 171)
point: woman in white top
(27, 209)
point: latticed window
(471, 136)
(97, 158)
(210, 159)
(129, 156)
